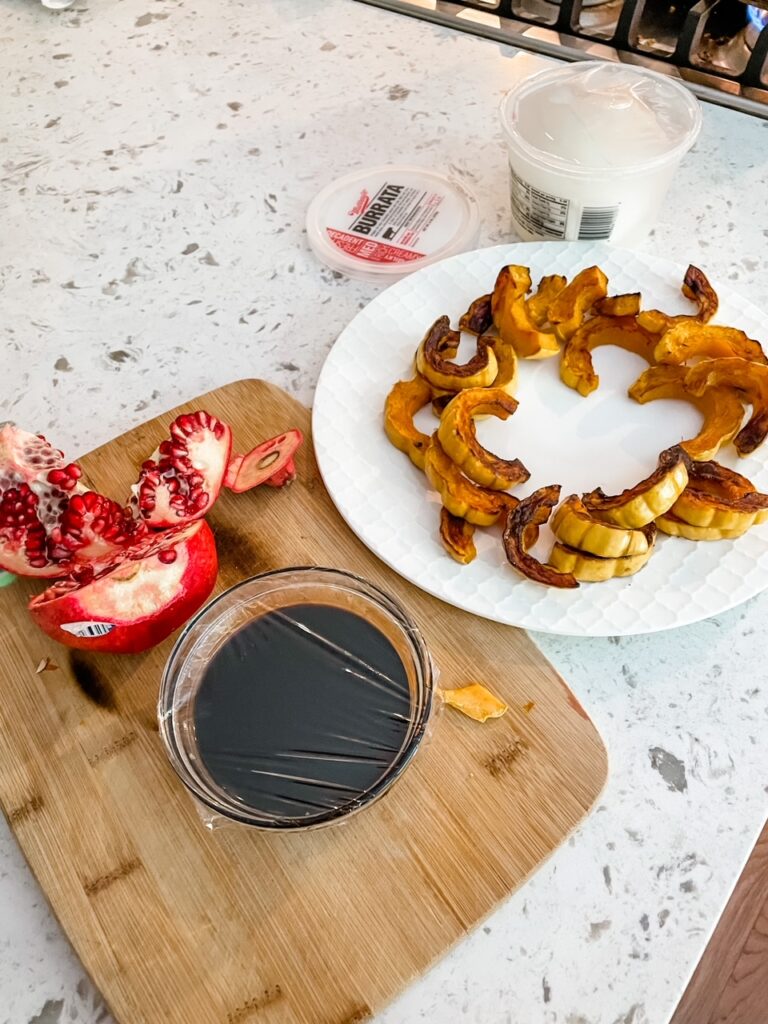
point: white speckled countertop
(157, 160)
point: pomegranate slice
(35, 486)
(147, 592)
(270, 462)
(49, 522)
(182, 478)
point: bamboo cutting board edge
(455, 906)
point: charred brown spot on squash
(479, 317)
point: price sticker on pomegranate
(86, 629)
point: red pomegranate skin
(143, 599)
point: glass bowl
(295, 698)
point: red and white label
(392, 222)
(370, 250)
(362, 204)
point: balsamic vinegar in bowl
(295, 699)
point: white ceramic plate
(580, 443)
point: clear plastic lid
(381, 223)
(295, 699)
(598, 116)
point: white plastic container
(381, 223)
(593, 147)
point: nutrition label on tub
(555, 217)
(536, 211)
(389, 226)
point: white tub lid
(381, 223)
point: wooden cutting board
(183, 925)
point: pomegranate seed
(167, 557)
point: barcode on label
(87, 629)
(597, 222)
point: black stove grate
(705, 43)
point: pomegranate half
(147, 592)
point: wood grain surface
(183, 925)
(730, 984)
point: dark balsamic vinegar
(302, 710)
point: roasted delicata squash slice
(675, 527)
(696, 509)
(513, 282)
(403, 402)
(750, 380)
(718, 480)
(568, 310)
(463, 498)
(594, 569)
(694, 340)
(506, 357)
(459, 440)
(721, 408)
(512, 318)
(627, 304)
(574, 526)
(640, 505)
(538, 304)
(436, 352)
(720, 498)
(576, 366)
(520, 533)
(457, 536)
(479, 317)
(695, 287)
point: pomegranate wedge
(182, 478)
(270, 462)
(35, 488)
(49, 522)
(147, 592)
